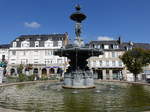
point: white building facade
(109, 66)
(36, 54)
(4, 52)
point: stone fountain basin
(113, 96)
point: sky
(106, 19)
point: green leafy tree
(135, 60)
(20, 68)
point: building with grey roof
(37, 50)
(109, 65)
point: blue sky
(129, 19)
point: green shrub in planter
(11, 79)
(31, 77)
(44, 77)
(22, 77)
(53, 77)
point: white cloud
(32, 25)
(104, 38)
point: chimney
(119, 40)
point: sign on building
(1, 74)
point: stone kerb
(127, 82)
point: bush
(44, 77)
(53, 77)
(11, 79)
(22, 77)
(31, 77)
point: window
(14, 44)
(35, 52)
(106, 46)
(93, 46)
(25, 44)
(48, 61)
(14, 53)
(48, 43)
(24, 61)
(113, 63)
(99, 46)
(100, 63)
(107, 63)
(119, 54)
(96, 46)
(48, 52)
(115, 47)
(59, 61)
(24, 53)
(106, 54)
(146, 71)
(36, 43)
(113, 54)
(94, 63)
(3, 57)
(35, 61)
(13, 59)
(38, 39)
(59, 43)
(120, 63)
(17, 39)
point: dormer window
(130, 47)
(96, 46)
(115, 46)
(48, 43)
(59, 43)
(99, 46)
(17, 39)
(28, 39)
(14, 44)
(38, 39)
(36, 43)
(106, 46)
(25, 44)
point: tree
(20, 68)
(135, 60)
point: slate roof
(42, 37)
(115, 42)
(4, 46)
(142, 45)
(122, 46)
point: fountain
(78, 74)
(49, 96)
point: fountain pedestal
(78, 79)
(78, 74)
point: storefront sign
(1, 74)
